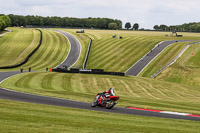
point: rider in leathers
(110, 92)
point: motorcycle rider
(107, 93)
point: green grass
(15, 46)
(133, 91)
(119, 55)
(186, 69)
(52, 52)
(26, 117)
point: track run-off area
(72, 57)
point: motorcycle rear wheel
(110, 104)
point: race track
(24, 97)
(139, 66)
(75, 50)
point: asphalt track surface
(75, 50)
(5, 33)
(31, 98)
(139, 66)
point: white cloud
(146, 12)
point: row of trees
(99, 23)
(135, 26)
(190, 27)
(4, 22)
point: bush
(4, 22)
(113, 26)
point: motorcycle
(105, 100)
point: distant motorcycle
(106, 99)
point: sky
(145, 12)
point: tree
(100, 23)
(112, 26)
(156, 27)
(136, 26)
(163, 27)
(128, 25)
(2, 24)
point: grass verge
(26, 117)
(164, 58)
(186, 69)
(52, 52)
(133, 91)
(15, 46)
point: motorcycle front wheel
(94, 104)
(110, 104)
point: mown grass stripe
(133, 91)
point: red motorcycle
(106, 99)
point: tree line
(187, 27)
(4, 22)
(135, 26)
(99, 23)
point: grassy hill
(133, 91)
(163, 59)
(53, 51)
(118, 55)
(186, 69)
(15, 47)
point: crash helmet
(111, 91)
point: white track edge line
(69, 49)
(80, 49)
(154, 58)
(144, 56)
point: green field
(52, 52)
(133, 91)
(186, 69)
(15, 46)
(119, 55)
(175, 89)
(163, 59)
(34, 118)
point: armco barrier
(27, 58)
(87, 55)
(88, 71)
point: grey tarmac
(137, 68)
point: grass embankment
(120, 54)
(163, 59)
(52, 52)
(27, 117)
(133, 91)
(15, 46)
(186, 69)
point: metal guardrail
(174, 60)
